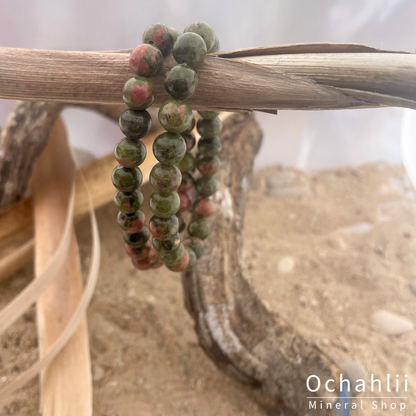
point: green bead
(128, 203)
(165, 177)
(216, 47)
(127, 179)
(199, 228)
(138, 93)
(197, 245)
(146, 60)
(175, 34)
(208, 166)
(209, 129)
(206, 186)
(137, 240)
(192, 258)
(131, 223)
(169, 148)
(174, 257)
(130, 154)
(182, 224)
(160, 36)
(135, 124)
(187, 182)
(181, 82)
(187, 163)
(209, 147)
(164, 247)
(164, 204)
(209, 115)
(190, 49)
(164, 228)
(204, 30)
(190, 128)
(175, 116)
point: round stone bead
(208, 166)
(209, 129)
(160, 36)
(190, 49)
(197, 245)
(209, 115)
(185, 202)
(158, 263)
(138, 253)
(127, 179)
(128, 203)
(187, 163)
(146, 60)
(147, 262)
(164, 228)
(206, 186)
(175, 116)
(169, 148)
(138, 93)
(192, 258)
(182, 224)
(137, 240)
(181, 82)
(203, 207)
(164, 204)
(174, 257)
(165, 177)
(130, 154)
(190, 128)
(216, 47)
(209, 147)
(187, 182)
(164, 247)
(175, 34)
(131, 223)
(199, 228)
(190, 141)
(204, 30)
(182, 265)
(135, 124)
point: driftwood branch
(234, 328)
(304, 76)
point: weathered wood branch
(234, 328)
(305, 76)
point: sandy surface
(324, 251)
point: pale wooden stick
(66, 386)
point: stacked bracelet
(174, 176)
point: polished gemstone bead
(175, 33)
(164, 204)
(174, 257)
(203, 207)
(138, 253)
(132, 223)
(209, 129)
(146, 60)
(181, 82)
(182, 265)
(147, 262)
(130, 154)
(192, 258)
(165, 177)
(209, 115)
(157, 264)
(204, 30)
(185, 202)
(190, 141)
(164, 247)
(169, 148)
(127, 179)
(206, 186)
(190, 49)
(175, 116)
(187, 182)
(137, 239)
(197, 245)
(187, 163)
(209, 147)
(190, 128)
(216, 47)
(199, 228)
(208, 166)
(160, 36)
(164, 228)
(182, 224)
(138, 93)
(135, 124)
(128, 203)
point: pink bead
(185, 202)
(204, 207)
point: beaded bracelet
(174, 176)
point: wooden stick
(66, 385)
(338, 76)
